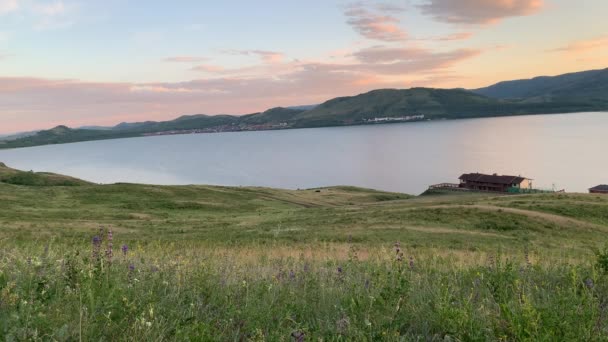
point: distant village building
(496, 183)
(393, 119)
(600, 189)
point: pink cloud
(208, 68)
(583, 46)
(269, 56)
(479, 11)
(455, 36)
(389, 60)
(375, 24)
(264, 55)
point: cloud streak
(264, 55)
(454, 36)
(374, 23)
(479, 11)
(583, 46)
(402, 61)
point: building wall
(485, 186)
(526, 184)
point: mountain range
(573, 92)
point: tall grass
(70, 290)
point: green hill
(433, 103)
(585, 86)
(272, 116)
(17, 177)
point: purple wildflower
(298, 336)
(589, 283)
(292, 275)
(339, 269)
(124, 249)
(109, 252)
(398, 251)
(96, 246)
(411, 262)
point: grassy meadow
(80, 261)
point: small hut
(600, 189)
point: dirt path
(554, 218)
(563, 220)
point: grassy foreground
(254, 264)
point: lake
(565, 151)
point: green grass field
(256, 264)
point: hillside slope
(16, 177)
(582, 86)
(433, 103)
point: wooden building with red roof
(495, 183)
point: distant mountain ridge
(585, 85)
(574, 92)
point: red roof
(492, 179)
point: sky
(77, 62)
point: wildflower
(589, 283)
(342, 325)
(339, 269)
(298, 336)
(527, 257)
(411, 262)
(96, 246)
(292, 275)
(398, 251)
(130, 273)
(109, 252)
(366, 284)
(124, 249)
(491, 261)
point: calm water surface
(564, 150)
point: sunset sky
(104, 62)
